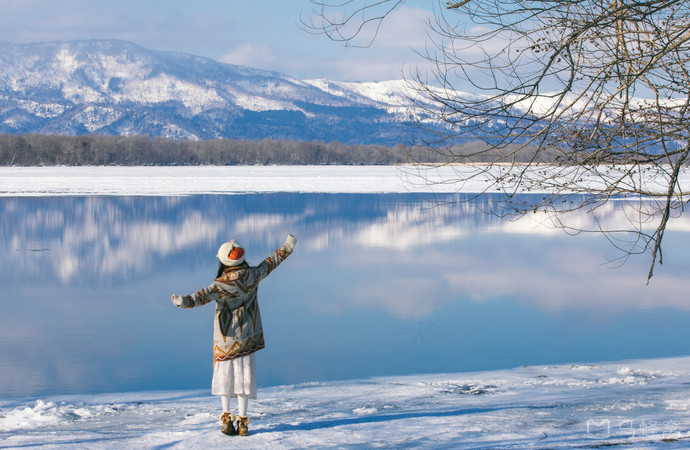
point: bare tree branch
(601, 87)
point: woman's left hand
(291, 241)
(177, 300)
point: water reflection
(380, 284)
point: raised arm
(274, 260)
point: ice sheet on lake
(643, 402)
(187, 180)
(52, 181)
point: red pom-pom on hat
(236, 254)
(231, 253)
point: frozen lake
(477, 332)
(381, 284)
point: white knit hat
(231, 253)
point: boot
(242, 426)
(228, 426)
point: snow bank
(187, 180)
(643, 403)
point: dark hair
(221, 269)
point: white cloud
(267, 38)
(406, 28)
(251, 55)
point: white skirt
(235, 377)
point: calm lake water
(378, 285)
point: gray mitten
(291, 241)
(177, 300)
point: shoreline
(52, 181)
(630, 402)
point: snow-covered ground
(187, 180)
(643, 403)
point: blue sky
(264, 34)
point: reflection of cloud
(555, 275)
(401, 283)
(612, 217)
(406, 228)
(265, 224)
(398, 255)
(439, 255)
(410, 226)
(408, 298)
(67, 266)
(564, 278)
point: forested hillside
(46, 150)
(32, 150)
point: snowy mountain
(118, 88)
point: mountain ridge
(116, 87)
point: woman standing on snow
(238, 332)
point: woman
(238, 331)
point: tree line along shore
(141, 150)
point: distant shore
(191, 180)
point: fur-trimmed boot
(228, 426)
(243, 425)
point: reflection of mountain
(75, 238)
(86, 238)
(120, 236)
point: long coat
(237, 327)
